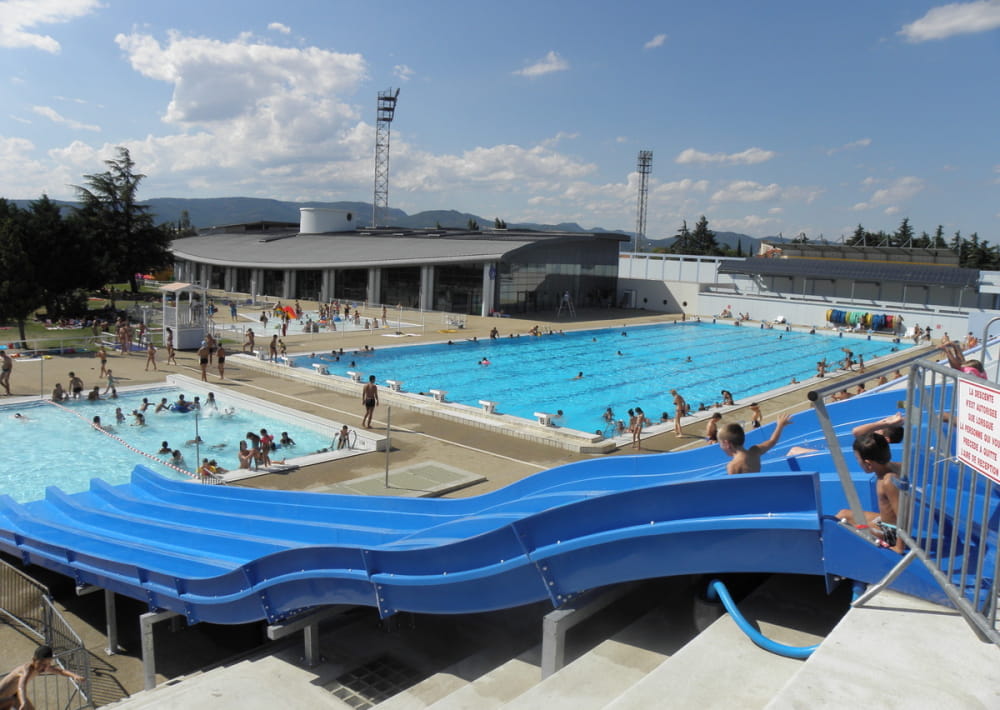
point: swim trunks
(203, 360)
(369, 403)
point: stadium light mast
(385, 110)
(644, 167)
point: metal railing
(948, 508)
(27, 604)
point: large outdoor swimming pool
(58, 446)
(622, 368)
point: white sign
(979, 428)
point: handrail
(717, 590)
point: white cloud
(621, 139)
(56, 117)
(862, 143)
(776, 210)
(750, 156)
(954, 19)
(747, 191)
(24, 175)
(18, 17)
(18, 119)
(550, 63)
(402, 72)
(898, 191)
(279, 27)
(657, 41)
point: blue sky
(771, 117)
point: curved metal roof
(291, 250)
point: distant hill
(219, 211)
(725, 239)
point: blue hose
(717, 590)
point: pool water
(622, 368)
(60, 448)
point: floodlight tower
(385, 109)
(645, 166)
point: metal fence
(27, 604)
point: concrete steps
(603, 673)
(722, 668)
(499, 686)
(897, 652)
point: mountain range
(221, 211)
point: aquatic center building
(453, 270)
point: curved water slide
(232, 555)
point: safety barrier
(28, 604)
(948, 506)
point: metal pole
(197, 442)
(388, 441)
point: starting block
(489, 406)
(395, 385)
(439, 394)
(356, 376)
(544, 418)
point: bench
(395, 385)
(356, 376)
(489, 406)
(544, 418)
(439, 394)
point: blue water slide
(230, 555)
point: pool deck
(426, 451)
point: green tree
(63, 281)
(904, 234)
(682, 240)
(121, 228)
(703, 239)
(499, 223)
(20, 294)
(473, 225)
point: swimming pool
(58, 446)
(622, 368)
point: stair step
(722, 668)
(499, 686)
(894, 637)
(604, 672)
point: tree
(64, 279)
(473, 225)
(904, 234)
(122, 229)
(20, 294)
(499, 223)
(704, 239)
(682, 240)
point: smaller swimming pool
(56, 445)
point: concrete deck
(420, 443)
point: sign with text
(979, 428)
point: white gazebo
(188, 320)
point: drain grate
(375, 681)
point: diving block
(439, 394)
(395, 385)
(320, 368)
(544, 418)
(489, 406)
(356, 376)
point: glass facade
(458, 288)
(401, 286)
(243, 280)
(351, 285)
(273, 282)
(535, 278)
(217, 277)
(308, 284)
